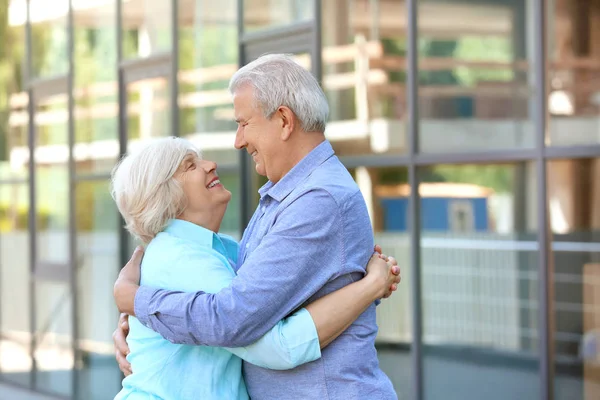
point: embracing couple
(289, 312)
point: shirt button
(247, 245)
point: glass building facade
(491, 108)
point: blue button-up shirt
(310, 235)
(188, 257)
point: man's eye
(192, 166)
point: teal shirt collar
(191, 232)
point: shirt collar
(191, 232)
(305, 167)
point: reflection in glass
(15, 359)
(393, 314)
(148, 110)
(479, 279)
(208, 57)
(53, 351)
(475, 67)
(96, 96)
(146, 27)
(49, 37)
(574, 204)
(13, 103)
(98, 265)
(268, 14)
(364, 75)
(574, 56)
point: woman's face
(203, 190)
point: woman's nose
(209, 166)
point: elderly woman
(172, 200)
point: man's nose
(240, 143)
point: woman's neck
(209, 221)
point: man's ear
(288, 122)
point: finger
(136, 257)
(392, 260)
(383, 257)
(120, 342)
(397, 280)
(394, 287)
(125, 326)
(124, 323)
(396, 270)
(124, 365)
(378, 249)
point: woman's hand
(383, 272)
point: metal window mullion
(283, 32)
(122, 128)
(540, 118)
(73, 263)
(174, 86)
(414, 203)
(316, 62)
(32, 217)
(245, 171)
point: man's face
(255, 133)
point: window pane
(14, 154)
(573, 76)
(49, 37)
(475, 75)
(53, 298)
(574, 205)
(96, 96)
(390, 226)
(364, 76)
(268, 14)
(146, 27)
(98, 250)
(15, 360)
(479, 281)
(148, 110)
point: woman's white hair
(278, 81)
(145, 188)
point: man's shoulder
(333, 178)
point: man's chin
(259, 170)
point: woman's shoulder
(177, 264)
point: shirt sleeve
(292, 342)
(302, 251)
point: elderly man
(309, 236)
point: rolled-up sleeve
(301, 252)
(292, 342)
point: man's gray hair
(278, 81)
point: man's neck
(301, 148)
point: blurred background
(490, 107)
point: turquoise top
(186, 257)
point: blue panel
(394, 214)
(481, 214)
(434, 214)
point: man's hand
(121, 347)
(384, 274)
(128, 283)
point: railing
(478, 290)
